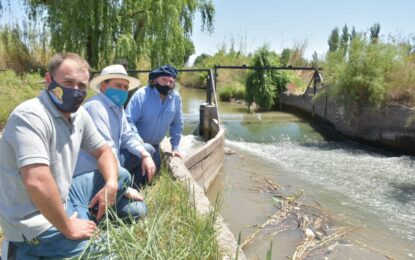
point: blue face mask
(66, 99)
(117, 96)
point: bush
(228, 93)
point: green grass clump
(172, 228)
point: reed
(171, 230)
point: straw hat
(116, 71)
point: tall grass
(15, 89)
(172, 229)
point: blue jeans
(52, 244)
(132, 163)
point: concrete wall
(392, 128)
(206, 162)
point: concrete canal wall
(391, 128)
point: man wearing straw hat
(106, 110)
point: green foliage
(344, 40)
(22, 52)
(285, 56)
(228, 93)
(105, 30)
(263, 86)
(224, 56)
(374, 33)
(172, 229)
(15, 89)
(370, 73)
(334, 40)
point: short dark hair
(59, 58)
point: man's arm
(43, 191)
(108, 167)
(133, 110)
(176, 128)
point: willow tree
(264, 85)
(158, 30)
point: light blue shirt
(151, 117)
(112, 124)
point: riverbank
(391, 128)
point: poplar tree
(334, 40)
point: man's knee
(124, 176)
(131, 209)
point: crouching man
(44, 211)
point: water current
(356, 185)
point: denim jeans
(52, 244)
(132, 163)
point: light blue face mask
(117, 96)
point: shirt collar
(106, 100)
(45, 99)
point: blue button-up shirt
(112, 124)
(151, 117)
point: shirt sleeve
(129, 139)
(100, 119)
(133, 110)
(91, 139)
(29, 139)
(176, 126)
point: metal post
(209, 88)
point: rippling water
(356, 184)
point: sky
(289, 23)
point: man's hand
(105, 197)
(148, 166)
(79, 228)
(133, 194)
(178, 154)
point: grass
(172, 229)
(14, 90)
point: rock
(228, 151)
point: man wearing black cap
(155, 109)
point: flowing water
(354, 184)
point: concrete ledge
(226, 239)
(206, 162)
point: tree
(344, 40)
(334, 40)
(374, 33)
(262, 85)
(157, 30)
(285, 56)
